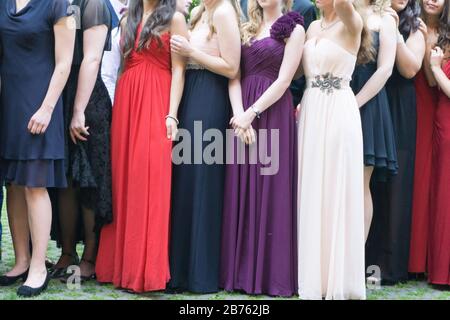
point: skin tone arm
(227, 64)
(436, 59)
(291, 60)
(64, 46)
(177, 28)
(93, 44)
(385, 63)
(430, 40)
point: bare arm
(348, 15)
(442, 80)
(385, 63)
(235, 93)
(430, 43)
(227, 64)
(291, 60)
(178, 27)
(93, 44)
(64, 46)
(410, 55)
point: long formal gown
(427, 99)
(378, 132)
(439, 235)
(197, 186)
(133, 251)
(331, 178)
(259, 223)
(388, 243)
(88, 163)
(27, 65)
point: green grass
(413, 290)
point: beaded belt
(194, 66)
(328, 83)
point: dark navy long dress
(27, 65)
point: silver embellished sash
(328, 82)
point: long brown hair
(158, 22)
(444, 27)
(201, 9)
(251, 28)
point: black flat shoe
(83, 279)
(28, 292)
(6, 281)
(56, 273)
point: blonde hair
(255, 18)
(201, 9)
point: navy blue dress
(27, 64)
(378, 131)
(388, 243)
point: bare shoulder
(178, 20)
(313, 29)
(195, 11)
(224, 11)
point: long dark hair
(444, 27)
(158, 22)
(409, 18)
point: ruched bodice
(157, 54)
(317, 60)
(263, 58)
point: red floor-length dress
(439, 243)
(133, 251)
(427, 98)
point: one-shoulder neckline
(317, 41)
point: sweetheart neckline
(317, 41)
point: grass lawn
(414, 290)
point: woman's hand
(172, 128)
(180, 45)
(424, 29)
(40, 120)
(243, 120)
(78, 130)
(437, 55)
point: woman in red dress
(427, 99)
(439, 241)
(133, 250)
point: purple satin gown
(259, 218)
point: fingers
(169, 132)
(72, 137)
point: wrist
(255, 111)
(173, 118)
(47, 107)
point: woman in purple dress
(259, 225)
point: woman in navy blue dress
(37, 39)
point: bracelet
(256, 111)
(173, 118)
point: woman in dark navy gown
(368, 84)
(87, 109)
(388, 243)
(37, 40)
(197, 186)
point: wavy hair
(444, 27)
(366, 52)
(409, 17)
(251, 28)
(201, 9)
(158, 22)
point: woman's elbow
(64, 67)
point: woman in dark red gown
(427, 99)
(133, 251)
(439, 240)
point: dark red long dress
(133, 252)
(427, 99)
(439, 240)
